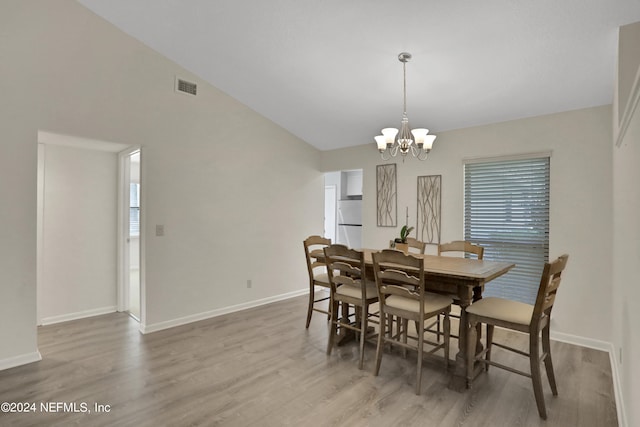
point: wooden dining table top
(448, 266)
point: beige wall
(235, 192)
(626, 231)
(580, 215)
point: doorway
(343, 207)
(130, 233)
(330, 198)
(77, 233)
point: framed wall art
(387, 201)
(428, 216)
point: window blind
(134, 209)
(506, 210)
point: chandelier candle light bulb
(421, 143)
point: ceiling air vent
(186, 87)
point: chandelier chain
(404, 86)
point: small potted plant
(401, 242)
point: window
(134, 209)
(506, 210)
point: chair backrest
(397, 273)
(416, 244)
(461, 246)
(411, 244)
(549, 284)
(345, 266)
(311, 245)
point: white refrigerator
(350, 223)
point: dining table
(452, 275)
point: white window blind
(506, 210)
(134, 209)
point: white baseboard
(615, 369)
(581, 341)
(147, 329)
(78, 315)
(22, 359)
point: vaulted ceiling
(328, 70)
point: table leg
(344, 334)
(477, 296)
(459, 380)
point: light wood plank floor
(261, 367)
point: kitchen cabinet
(352, 183)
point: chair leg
(471, 347)
(405, 333)
(312, 298)
(389, 321)
(345, 315)
(398, 333)
(438, 329)
(364, 314)
(420, 350)
(379, 347)
(447, 336)
(333, 328)
(534, 362)
(548, 364)
(489, 344)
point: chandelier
(419, 145)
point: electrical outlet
(159, 230)
(249, 284)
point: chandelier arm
(394, 150)
(382, 155)
(426, 154)
(417, 152)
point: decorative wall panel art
(428, 217)
(387, 195)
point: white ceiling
(327, 70)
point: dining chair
(349, 287)
(412, 245)
(317, 275)
(533, 320)
(401, 294)
(461, 247)
(416, 244)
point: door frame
(123, 233)
(333, 188)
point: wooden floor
(261, 367)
